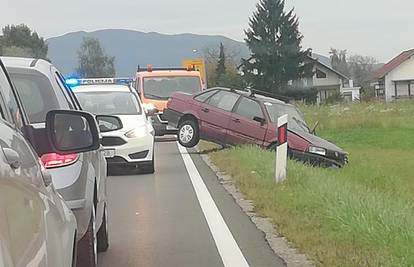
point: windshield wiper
(301, 123)
(155, 96)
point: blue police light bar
(72, 82)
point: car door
(96, 157)
(215, 115)
(32, 225)
(247, 123)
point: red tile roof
(394, 63)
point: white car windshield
(109, 103)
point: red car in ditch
(233, 117)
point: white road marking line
(230, 252)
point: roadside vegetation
(360, 215)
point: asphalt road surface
(180, 216)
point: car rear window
(37, 95)
(203, 97)
(224, 100)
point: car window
(224, 100)
(162, 87)
(69, 98)
(249, 108)
(204, 96)
(10, 101)
(37, 96)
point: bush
(306, 95)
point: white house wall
(331, 79)
(404, 72)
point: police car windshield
(161, 88)
(109, 103)
(296, 120)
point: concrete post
(281, 149)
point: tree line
(21, 41)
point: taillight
(53, 160)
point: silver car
(36, 226)
(79, 177)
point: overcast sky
(380, 28)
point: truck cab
(156, 85)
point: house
(329, 82)
(395, 79)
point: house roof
(394, 63)
(316, 60)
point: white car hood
(130, 122)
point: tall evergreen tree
(275, 43)
(221, 65)
(93, 62)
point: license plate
(170, 128)
(109, 153)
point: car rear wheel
(87, 252)
(103, 233)
(188, 135)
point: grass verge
(360, 215)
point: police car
(128, 138)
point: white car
(131, 144)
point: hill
(133, 48)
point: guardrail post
(281, 149)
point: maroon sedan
(226, 116)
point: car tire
(103, 233)
(188, 134)
(87, 251)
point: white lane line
(230, 252)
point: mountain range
(133, 48)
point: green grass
(360, 215)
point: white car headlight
(317, 150)
(148, 106)
(137, 132)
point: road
(169, 218)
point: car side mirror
(72, 131)
(109, 123)
(262, 121)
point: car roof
(27, 63)
(102, 88)
(158, 73)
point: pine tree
(275, 43)
(221, 66)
